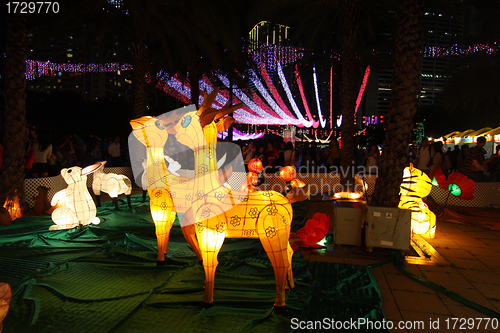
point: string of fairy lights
(264, 104)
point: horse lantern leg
(273, 228)
(163, 214)
(211, 232)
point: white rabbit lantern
(75, 206)
(112, 184)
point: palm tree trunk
(348, 58)
(195, 86)
(138, 53)
(403, 103)
(14, 135)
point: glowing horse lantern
(111, 183)
(217, 212)
(152, 133)
(415, 186)
(75, 206)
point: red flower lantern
(457, 184)
(461, 186)
(440, 180)
(315, 229)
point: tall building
(442, 29)
(266, 32)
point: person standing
(436, 158)
(372, 156)
(424, 156)
(333, 156)
(42, 152)
(115, 153)
(248, 153)
(476, 163)
(289, 155)
(494, 166)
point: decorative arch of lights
(263, 105)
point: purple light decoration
(267, 54)
(320, 114)
(254, 107)
(263, 91)
(362, 89)
(284, 83)
(35, 68)
(303, 96)
(221, 100)
(238, 135)
(272, 54)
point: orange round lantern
(255, 165)
(288, 173)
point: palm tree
(14, 131)
(403, 103)
(351, 15)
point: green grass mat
(104, 279)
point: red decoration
(441, 179)
(255, 165)
(288, 173)
(314, 230)
(466, 184)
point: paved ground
(464, 259)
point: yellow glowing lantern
(420, 219)
(152, 133)
(75, 206)
(110, 183)
(415, 186)
(415, 183)
(358, 193)
(431, 234)
(251, 181)
(213, 211)
(12, 204)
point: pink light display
(288, 93)
(362, 89)
(320, 113)
(274, 91)
(270, 100)
(331, 97)
(303, 96)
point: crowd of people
(469, 161)
(47, 156)
(308, 156)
